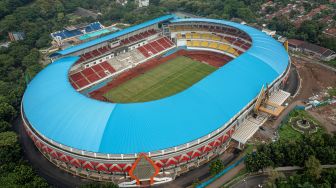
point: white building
(122, 2)
(143, 3)
(269, 32)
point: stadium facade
(106, 141)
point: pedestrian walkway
(221, 174)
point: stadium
(147, 103)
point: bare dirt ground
(326, 115)
(314, 78)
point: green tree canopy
(216, 166)
(313, 167)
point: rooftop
(57, 111)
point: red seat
(93, 77)
(77, 76)
(87, 72)
(83, 82)
(102, 74)
(97, 68)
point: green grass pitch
(164, 80)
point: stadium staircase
(279, 97)
(248, 128)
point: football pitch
(164, 80)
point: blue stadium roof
(56, 110)
(113, 35)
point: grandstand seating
(205, 36)
(223, 47)
(90, 75)
(216, 38)
(138, 37)
(196, 35)
(230, 31)
(93, 54)
(155, 47)
(214, 45)
(196, 43)
(212, 37)
(204, 43)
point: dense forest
(38, 18)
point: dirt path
(314, 78)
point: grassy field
(286, 132)
(167, 79)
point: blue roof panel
(56, 110)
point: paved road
(255, 180)
(200, 173)
(251, 181)
(47, 170)
(227, 177)
(292, 84)
(58, 178)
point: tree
(274, 176)
(7, 112)
(4, 126)
(257, 161)
(22, 176)
(31, 59)
(313, 168)
(216, 166)
(9, 147)
(311, 29)
(305, 185)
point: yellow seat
(205, 36)
(231, 50)
(179, 36)
(213, 45)
(196, 43)
(223, 47)
(205, 43)
(215, 37)
(195, 35)
(188, 36)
